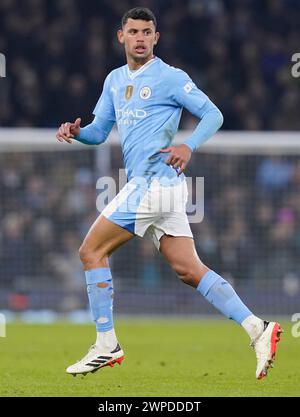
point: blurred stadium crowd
(238, 51)
(250, 232)
(58, 53)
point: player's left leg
(103, 238)
(181, 254)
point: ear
(157, 36)
(120, 36)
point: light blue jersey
(146, 105)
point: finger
(182, 168)
(68, 134)
(65, 130)
(63, 136)
(67, 126)
(174, 160)
(66, 139)
(166, 150)
(77, 122)
(61, 130)
(62, 133)
(59, 138)
(169, 160)
(74, 128)
(178, 163)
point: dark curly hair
(139, 13)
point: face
(139, 38)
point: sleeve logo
(188, 87)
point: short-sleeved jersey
(146, 105)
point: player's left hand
(179, 157)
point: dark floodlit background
(238, 51)
(58, 54)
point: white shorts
(151, 210)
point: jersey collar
(134, 74)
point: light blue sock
(101, 302)
(220, 294)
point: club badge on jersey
(145, 93)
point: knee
(84, 253)
(186, 274)
(190, 274)
(89, 256)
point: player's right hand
(68, 130)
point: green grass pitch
(191, 358)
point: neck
(135, 64)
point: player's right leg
(103, 238)
(181, 254)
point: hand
(68, 130)
(179, 157)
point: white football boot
(96, 359)
(265, 347)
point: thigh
(105, 236)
